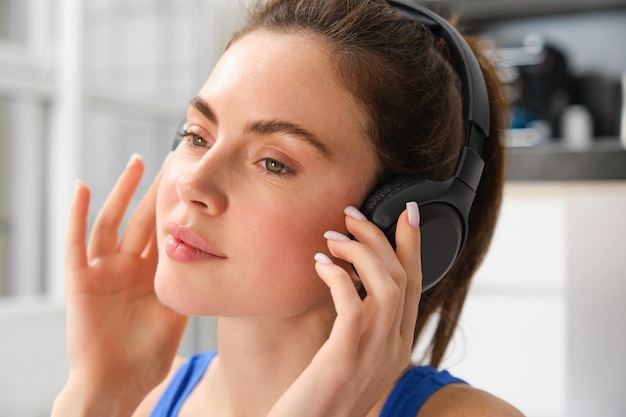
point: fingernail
(323, 259)
(339, 237)
(78, 183)
(354, 213)
(414, 214)
(134, 157)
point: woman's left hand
(371, 340)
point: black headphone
(444, 206)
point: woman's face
(275, 151)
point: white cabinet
(544, 324)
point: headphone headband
(473, 87)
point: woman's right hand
(121, 339)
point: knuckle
(355, 315)
(102, 224)
(390, 293)
(400, 275)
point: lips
(183, 245)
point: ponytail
(446, 299)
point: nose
(201, 189)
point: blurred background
(84, 85)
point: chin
(173, 291)
(191, 295)
(176, 290)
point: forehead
(294, 56)
(287, 76)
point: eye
(275, 167)
(194, 139)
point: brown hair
(399, 72)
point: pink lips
(183, 245)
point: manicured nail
(414, 214)
(135, 157)
(354, 213)
(339, 237)
(78, 183)
(323, 259)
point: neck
(259, 358)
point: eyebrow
(203, 107)
(266, 127)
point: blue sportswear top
(409, 394)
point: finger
(371, 236)
(75, 246)
(104, 232)
(348, 326)
(383, 293)
(140, 227)
(408, 245)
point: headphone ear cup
(442, 227)
(383, 207)
(442, 230)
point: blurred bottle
(577, 126)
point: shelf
(602, 160)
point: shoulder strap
(413, 389)
(179, 388)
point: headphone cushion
(387, 190)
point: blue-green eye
(275, 167)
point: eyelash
(284, 169)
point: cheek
(294, 227)
(282, 242)
(287, 236)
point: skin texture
(242, 207)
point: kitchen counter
(601, 160)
